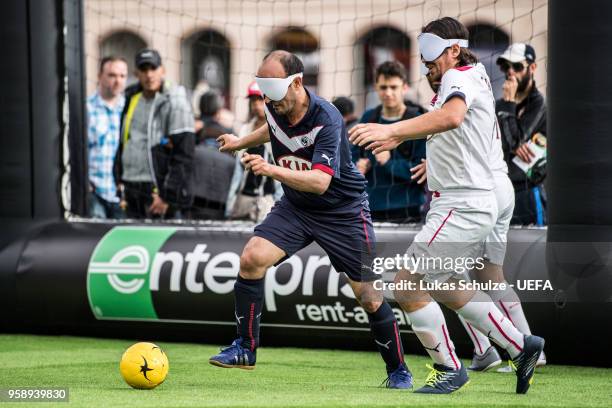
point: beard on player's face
(434, 84)
(434, 79)
(285, 105)
(436, 70)
(278, 107)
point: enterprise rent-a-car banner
(179, 275)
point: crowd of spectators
(150, 156)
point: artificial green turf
(285, 377)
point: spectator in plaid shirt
(104, 109)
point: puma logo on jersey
(326, 157)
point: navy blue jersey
(318, 141)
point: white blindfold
(432, 46)
(276, 88)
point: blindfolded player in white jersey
(505, 297)
(461, 133)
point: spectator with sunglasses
(521, 114)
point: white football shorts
(457, 224)
(497, 241)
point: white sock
(509, 304)
(480, 312)
(481, 342)
(430, 327)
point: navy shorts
(346, 234)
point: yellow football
(144, 366)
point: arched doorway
(124, 44)
(377, 46)
(488, 43)
(303, 44)
(205, 63)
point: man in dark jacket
(394, 196)
(210, 106)
(346, 107)
(522, 114)
(154, 163)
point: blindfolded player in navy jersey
(324, 201)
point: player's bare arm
(310, 181)
(379, 138)
(231, 143)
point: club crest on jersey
(294, 163)
(292, 142)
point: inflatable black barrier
(46, 262)
(175, 282)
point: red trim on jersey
(474, 336)
(503, 333)
(464, 68)
(323, 168)
(434, 99)
(440, 227)
(449, 347)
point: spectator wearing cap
(251, 197)
(154, 164)
(210, 109)
(521, 114)
(346, 107)
(104, 109)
